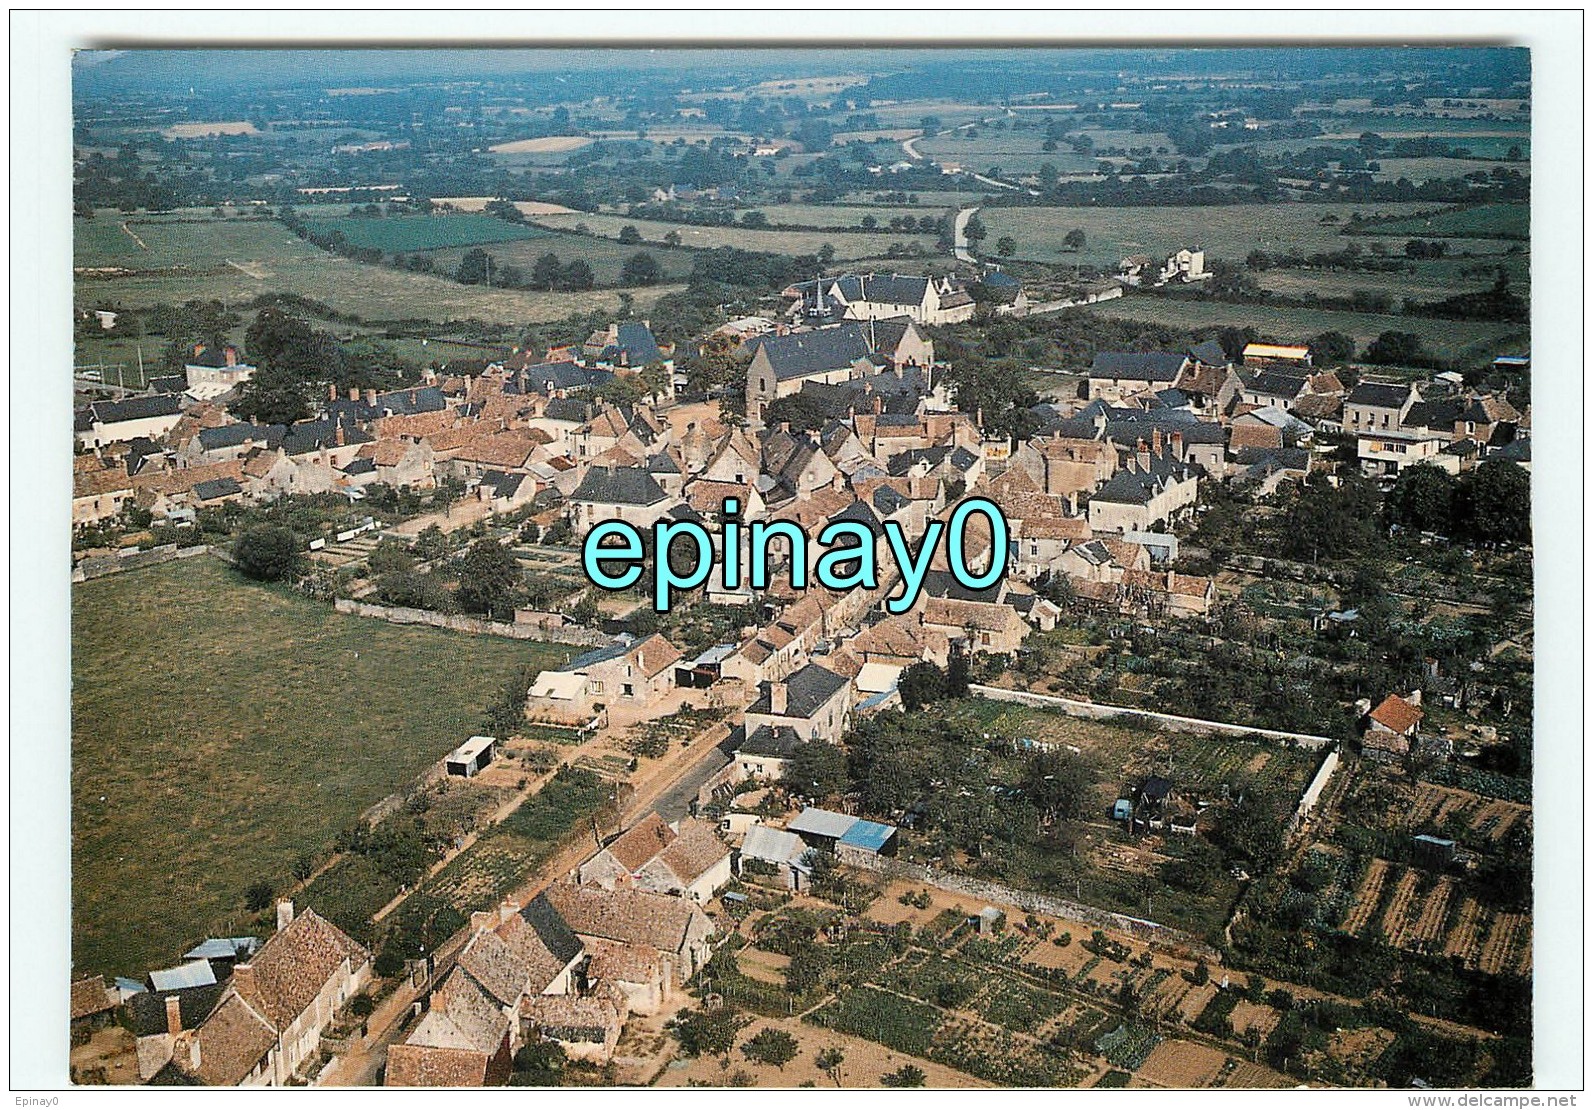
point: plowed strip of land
(1465, 939)
(1394, 918)
(1366, 896)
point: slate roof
(1209, 353)
(224, 487)
(807, 691)
(571, 410)
(194, 1004)
(236, 435)
(801, 354)
(619, 485)
(1378, 395)
(1274, 384)
(821, 822)
(780, 742)
(558, 375)
(312, 435)
(636, 340)
(883, 288)
(694, 851)
(135, 408)
(1154, 366)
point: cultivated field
(547, 144)
(847, 245)
(203, 130)
(402, 234)
(220, 728)
(1484, 221)
(1227, 232)
(1471, 341)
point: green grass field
(1224, 232)
(220, 728)
(403, 234)
(606, 256)
(1474, 342)
(848, 245)
(1504, 221)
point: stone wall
(1099, 712)
(98, 566)
(478, 626)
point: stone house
(813, 702)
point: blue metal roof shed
(868, 836)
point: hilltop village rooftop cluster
(1090, 497)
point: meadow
(1227, 232)
(404, 234)
(220, 728)
(848, 245)
(1503, 221)
(1473, 342)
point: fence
(584, 637)
(1153, 933)
(1099, 712)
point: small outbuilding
(470, 757)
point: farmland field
(606, 256)
(1471, 341)
(1504, 221)
(402, 234)
(848, 245)
(1227, 232)
(264, 723)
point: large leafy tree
(1424, 498)
(1057, 784)
(1498, 502)
(269, 553)
(490, 581)
(817, 770)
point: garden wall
(568, 634)
(1098, 712)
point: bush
(258, 897)
(268, 553)
(771, 1046)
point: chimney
(199, 349)
(285, 906)
(1176, 442)
(508, 909)
(370, 396)
(1169, 581)
(331, 392)
(231, 355)
(1156, 441)
(174, 1014)
(778, 698)
(411, 396)
(1142, 454)
(785, 427)
(353, 393)
(342, 441)
(193, 1052)
(879, 404)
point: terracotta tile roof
(1185, 585)
(495, 967)
(948, 612)
(709, 497)
(499, 449)
(259, 464)
(1124, 553)
(181, 481)
(695, 849)
(232, 1041)
(100, 480)
(622, 963)
(90, 997)
(463, 1015)
(655, 655)
(568, 1017)
(414, 425)
(391, 452)
(1072, 528)
(1325, 382)
(1396, 714)
(424, 1066)
(641, 842)
(630, 916)
(293, 965)
(1241, 436)
(542, 944)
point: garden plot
(1367, 897)
(1182, 1064)
(1508, 949)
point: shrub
(268, 553)
(771, 1046)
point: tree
(1497, 500)
(908, 1075)
(1397, 348)
(641, 268)
(1006, 246)
(545, 271)
(974, 230)
(1423, 498)
(267, 552)
(1332, 347)
(258, 896)
(958, 675)
(702, 1033)
(538, 1064)
(817, 769)
(475, 268)
(826, 254)
(629, 235)
(672, 238)
(1074, 240)
(921, 684)
(273, 395)
(576, 277)
(1057, 784)
(829, 1061)
(771, 1046)
(490, 581)
(303, 866)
